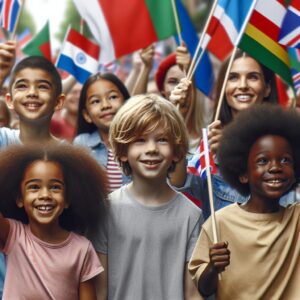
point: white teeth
(44, 207)
(243, 97)
(32, 105)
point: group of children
(149, 241)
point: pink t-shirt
(39, 270)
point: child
(259, 154)
(35, 92)
(50, 194)
(151, 230)
(101, 97)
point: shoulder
(118, 196)
(88, 139)
(9, 136)
(187, 204)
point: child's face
(150, 156)
(43, 193)
(103, 100)
(33, 95)
(270, 168)
(246, 84)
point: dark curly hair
(248, 126)
(82, 125)
(85, 183)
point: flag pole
(177, 22)
(202, 39)
(81, 26)
(13, 36)
(221, 97)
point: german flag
(260, 39)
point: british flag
(294, 57)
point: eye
(20, 86)
(262, 161)
(287, 160)
(233, 77)
(56, 187)
(113, 96)
(173, 81)
(140, 140)
(43, 86)
(254, 76)
(163, 140)
(95, 101)
(32, 187)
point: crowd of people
(96, 201)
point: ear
(19, 202)
(243, 178)
(267, 91)
(9, 101)
(86, 116)
(60, 102)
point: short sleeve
(91, 265)
(193, 237)
(16, 232)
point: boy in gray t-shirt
(151, 229)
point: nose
(275, 167)
(31, 91)
(44, 193)
(151, 146)
(243, 82)
(106, 104)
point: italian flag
(40, 44)
(121, 26)
(260, 39)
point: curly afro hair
(248, 126)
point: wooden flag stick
(13, 35)
(81, 26)
(202, 38)
(177, 22)
(221, 97)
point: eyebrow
(39, 180)
(38, 81)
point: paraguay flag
(9, 14)
(290, 28)
(229, 19)
(79, 56)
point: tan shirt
(265, 253)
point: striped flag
(121, 27)
(290, 28)
(197, 165)
(9, 14)
(260, 39)
(227, 22)
(294, 56)
(79, 56)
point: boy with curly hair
(259, 156)
(151, 229)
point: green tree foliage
(26, 21)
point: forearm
(208, 281)
(178, 176)
(140, 86)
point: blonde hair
(141, 115)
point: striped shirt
(114, 173)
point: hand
(180, 93)
(219, 255)
(7, 58)
(183, 57)
(215, 130)
(147, 55)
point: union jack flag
(294, 57)
(290, 28)
(10, 10)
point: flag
(225, 26)
(22, 39)
(294, 57)
(10, 10)
(197, 165)
(40, 44)
(79, 56)
(121, 27)
(290, 28)
(260, 39)
(204, 76)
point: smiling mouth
(44, 208)
(32, 105)
(275, 182)
(244, 98)
(151, 162)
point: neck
(52, 234)
(261, 206)
(151, 192)
(35, 133)
(104, 137)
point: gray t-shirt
(148, 247)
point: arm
(101, 279)
(183, 57)
(87, 290)
(190, 290)
(219, 259)
(146, 55)
(178, 177)
(7, 59)
(4, 230)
